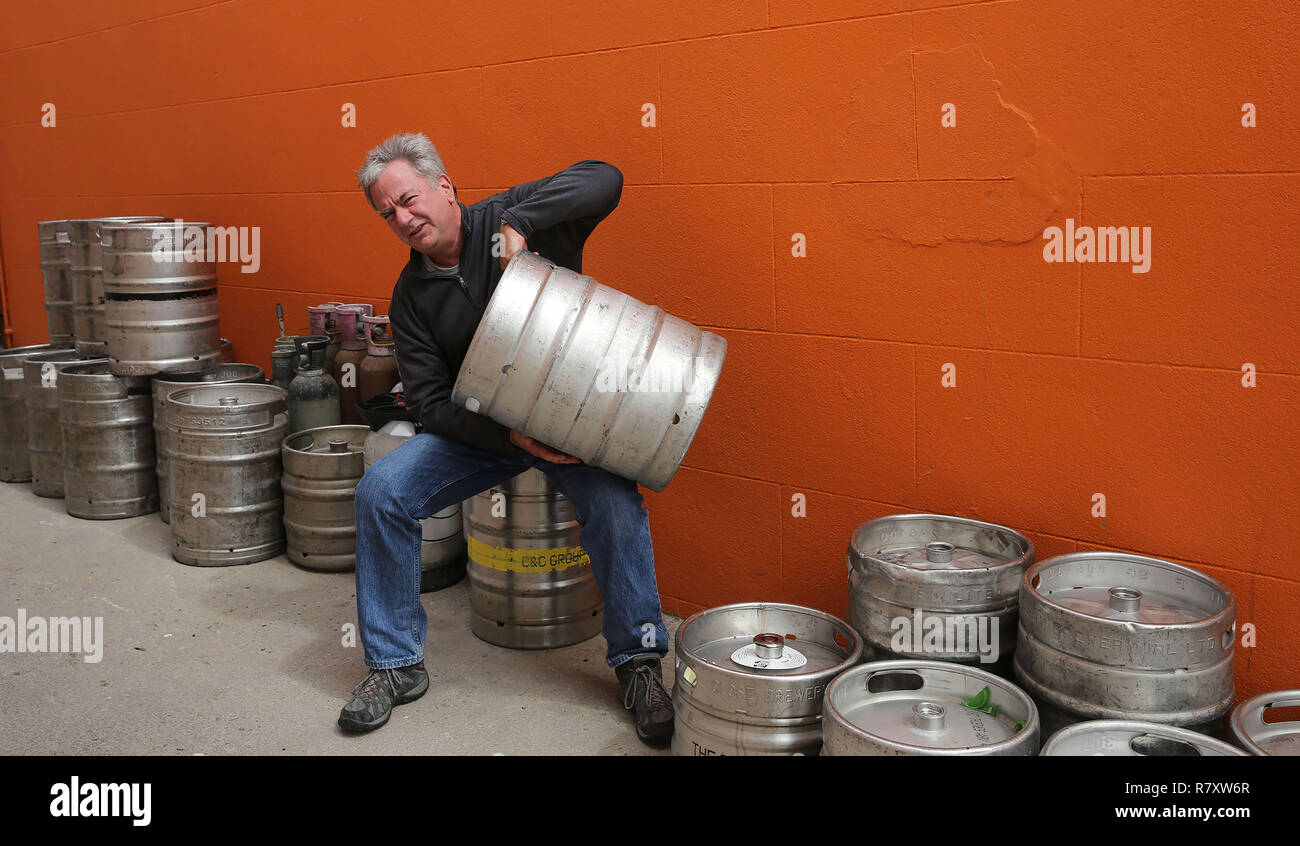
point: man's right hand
(541, 450)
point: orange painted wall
(924, 242)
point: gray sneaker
(373, 700)
(641, 684)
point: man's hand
(541, 450)
(511, 243)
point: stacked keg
(531, 583)
(88, 281)
(56, 271)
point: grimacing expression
(423, 216)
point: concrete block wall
(798, 191)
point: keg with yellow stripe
(531, 585)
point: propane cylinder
(313, 394)
(323, 320)
(347, 364)
(379, 368)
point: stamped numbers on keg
(348, 375)
(199, 505)
(1099, 505)
(648, 115)
(1248, 375)
(47, 114)
(948, 375)
(1248, 115)
(498, 504)
(799, 505)
(799, 245)
(948, 115)
(49, 375)
(349, 118)
(349, 634)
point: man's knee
(378, 489)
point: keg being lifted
(1108, 635)
(160, 303)
(751, 677)
(226, 504)
(15, 455)
(56, 270)
(927, 708)
(590, 371)
(108, 457)
(44, 435)
(321, 470)
(531, 583)
(1258, 737)
(918, 578)
(1133, 738)
(163, 386)
(88, 281)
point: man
(457, 257)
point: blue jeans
(429, 473)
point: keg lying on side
(56, 270)
(590, 371)
(442, 546)
(163, 386)
(87, 270)
(751, 677)
(937, 588)
(1134, 738)
(108, 457)
(224, 476)
(44, 435)
(1108, 635)
(321, 470)
(530, 582)
(160, 305)
(15, 455)
(1258, 737)
(912, 707)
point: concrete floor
(249, 660)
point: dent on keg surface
(750, 678)
(224, 484)
(1258, 737)
(15, 455)
(958, 575)
(56, 270)
(44, 435)
(1134, 738)
(321, 469)
(912, 707)
(531, 582)
(590, 371)
(1109, 635)
(163, 386)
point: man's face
(426, 217)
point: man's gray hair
(414, 148)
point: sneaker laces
(655, 695)
(366, 690)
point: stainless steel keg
(1109, 635)
(1134, 738)
(590, 371)
(937, 588)
(751, 677)
(56, 270)
(531, 584)
(15, 456)
(160, 299)
(163, 386)
(87, 272)
(912, 707)
(442, 545)
(108, 457)
(224, 484)
(1252, 733)
(321, 470)
(44, 435)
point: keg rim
(338, 428)
(855, 640)
(181, 380)
(1167, 732)
(33, 349)
(1256, 705)
(830, 712)
(857, 559)
(1030, 590)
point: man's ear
(445, 183)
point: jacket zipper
(465, 288)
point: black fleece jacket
(434, 314)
